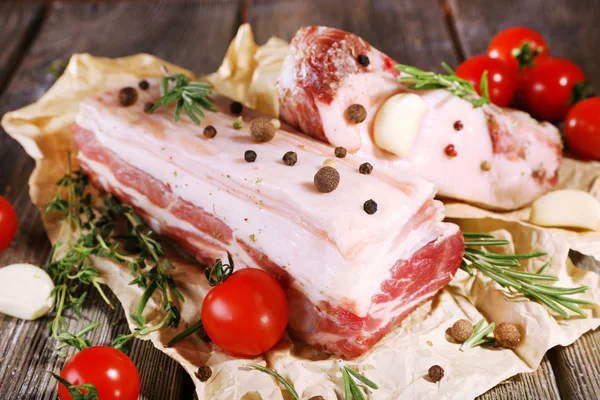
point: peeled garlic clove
(566, 209)
(25, 291)
(397, 122)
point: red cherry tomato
(582, 128)
(111, 371)
(501, 80)
(549, 87)
(519, 46)
(8, 223)
(247, 314)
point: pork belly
(322, 76)
(350, 277)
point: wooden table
(195, 35)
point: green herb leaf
(479, 336)
(280, 378)
(219, 272)
(198, 326)
(351, 389)
(76, 390)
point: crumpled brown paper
(400, 361)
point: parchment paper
(400, 361)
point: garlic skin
(397, 122)
(566, 209)
(25, 291)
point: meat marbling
(350, 277)
(321, 77)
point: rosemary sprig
(351, 388)
(198, 326)
(189, 96)
(427, 80)
(499, 267)
(274, 374)
(479, 336)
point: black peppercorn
(363, 60)
(340, 152)
(144, 85)
(210, 132)
(236, 107)
(327, 179)
(128, 96)
(370, 207)
(290, 158)
(148, 106)
(250, 156)
(365, 168)
(204, 373)
(458, 125)
(356, 113)
(436, 373)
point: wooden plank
(192, 35)
(570, 27)
(572, 31)
(411, 32)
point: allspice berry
(340, 152)
(262, 129)
(204, 373)
(507, 335)
(143, 84)
(365, 168)
(210, 132)
(128, 96)
(356, 113)
(436, 373)
(290, 158)
(327, 179)
(461, 330)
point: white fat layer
(318, 238)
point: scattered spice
(461, 330)
(250, 156)
(236, 107)
(365, 168)
(340, 152)
(128, 96)
(144, 85)
(450, 151)
(363, 60)
(327, 179)
(210, 132)
(204, 373)
(148, 106)
(329, 163)
(253, 238)
(290, 158)
(458, 125)
(237, 123)
(370, 207)
(262, 129)
(507, 335)
(436, 373)
(429, 343)
(356, 113)
(485, 166)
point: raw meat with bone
(350, 277)
(322, 77)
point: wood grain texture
(570, 27)
(411, 32)
(193, 35)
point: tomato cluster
(518, 63)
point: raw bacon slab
(350, 277)
(322, 76)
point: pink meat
(349, 277)
(322, 77)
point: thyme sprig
(189, 96)
(274, 374)
(351, 388)
(427, 80)
(499, 267)
(479, 335)
(219, 272)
